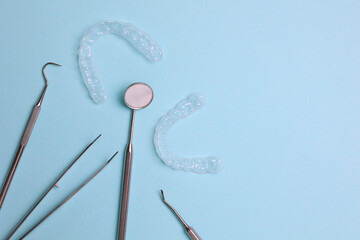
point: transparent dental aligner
(137, 38)
(196, 164)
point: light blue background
(281, 79)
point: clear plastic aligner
(197, 164)
(137, 38)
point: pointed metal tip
(56, 185)
(94, 140)
(112, 157)
(52, 63)
(43, 72)
(97, 137)
(162, 194)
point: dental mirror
(136, 96)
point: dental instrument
(189, 230)
(68, 197)
(25, 137)
(54, 184)
(137, 96)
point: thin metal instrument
(25, 137)
(68, 197)
(189, 230)
(54, 184)
(137, 96)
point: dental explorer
(25, 137)
(189, 230)
(137, 96)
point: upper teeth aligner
(137, 38)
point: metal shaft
(189, 230)
(49, 189)
(25, 137)
(69, 197)
(10, 174)
(192, 234)
(126, 183)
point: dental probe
(189, 230)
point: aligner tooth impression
(137, 38)
(183, 109)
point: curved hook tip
(162, 194)
(51, 63)
(43, 72)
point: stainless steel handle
(125, 192)
(24, 139)
(10, 174)
(192, 234)
(30, 125)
